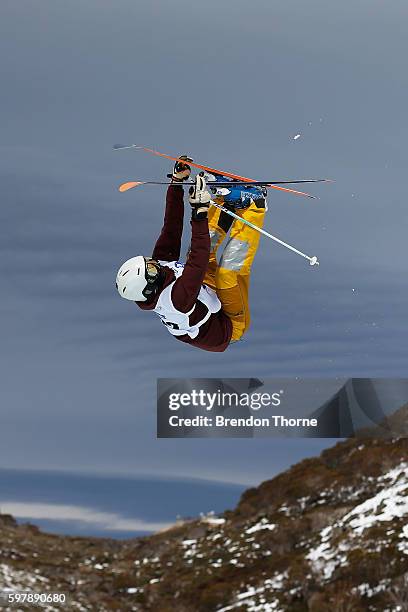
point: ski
(237, 177)
(131, 184)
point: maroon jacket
(215, 334)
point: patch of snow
(211, 519)
(277, 582)
(18, 580)
(215, 537)
(247, 598)
(214, 520)
(263, 524)
(303, 501)
(251, 606)
(368, 591)
(390, 502)
(403, 546)
(190, 549)
(324, 558)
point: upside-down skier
(203, 303)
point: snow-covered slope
(331, 533)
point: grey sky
(230, 83)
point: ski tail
(130, 184)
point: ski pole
(313, 261)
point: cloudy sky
(231, 83)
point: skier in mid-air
(202, 302)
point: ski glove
(199, 199)
(181, 171)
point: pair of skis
(236, 180)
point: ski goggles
(152, 275)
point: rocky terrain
(331, 533)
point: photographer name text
(251, 421)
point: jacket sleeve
(187, 286)
(168, 245)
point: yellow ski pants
(230, 277)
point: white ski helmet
(137, 278)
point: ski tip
(126, 186)
(118, 147)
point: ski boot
(235, 197)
